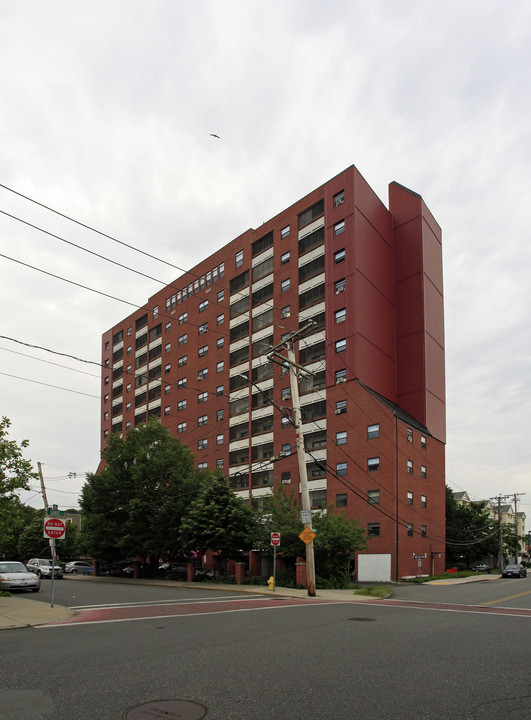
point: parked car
(170, 568)
(43, 568)
(16, 576)
(482, 567)
(78, 567)
(514, 571)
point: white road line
(144, 603)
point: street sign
(307, 535)
(306, 517)
(54, 512)
(275, 539)
(54, 528)
(419, 557)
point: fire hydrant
(271, 583)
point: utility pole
(294, 369)
(43, 489)
(517, 544)
(499, 499)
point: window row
(196, 286)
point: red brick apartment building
(196, 355)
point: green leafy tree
(32, 542)
(337, 538)
(134, 506)
(15, 474)
(280, 512)
(219, 521)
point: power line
(49, 385)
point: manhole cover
(362, 619)
(171, 709)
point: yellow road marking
(509, 597)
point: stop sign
(54, 528)
(275, 538)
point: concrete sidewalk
(18, 611)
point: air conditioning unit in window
(340, 411)
(340, 380)
(339, 290)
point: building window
(202, 466)
(221, 319)
(168, 326)
(285, 393)
(339, 198)
(167, 410)
(203, 328)
(340, 285)
(202, 397)
(341, 500)
(339, 256)
(410, 529)
(155, 312)
(239, 258)
(219, 462)
(373, 529)
(285, 421)
(181, 405)
(220, 342)
(410, 467)
(181, 382)
(167, 368)
(202, 444)
(423, 471)
(183, 339)
(167, 389)
(182, 360)
(341, 468)
(219, 414)
(286, 311)
(202, 374)
(128, 387)
(341, 345)
(373, 464)
(202, 351)
(167, 347)
(373, 497)
(410, 498)
(423, 530)
(341, 407)
(339, 227)
(423, 501)
(341, 315)
(284, 286)
(203, 306)
(219, 439)
(284, 233)
(423, 442)
(373, 431)
(219, 366)
(341, 375)
(221, 296)
(341, 438)
(284, 258)
(219, 390)
(410, 435)
(105, 415)
(107, 380)
(183, 318)
(202, 420)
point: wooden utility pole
(43, 489)
(294, 370)
(517, 543)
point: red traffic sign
(54, 528)
(275, 538)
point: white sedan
(16, 576)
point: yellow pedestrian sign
(307, 535)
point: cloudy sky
(106, 115)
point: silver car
(78, 566)
(43, 568)
(16, 576)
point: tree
(218, 520)
(15, 474)
(134, 506)
(471, 534)
(337, 536)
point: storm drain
(171, 709)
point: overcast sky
(106, 115)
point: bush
(5, 593)
(258, 580)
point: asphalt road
(301, 662)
